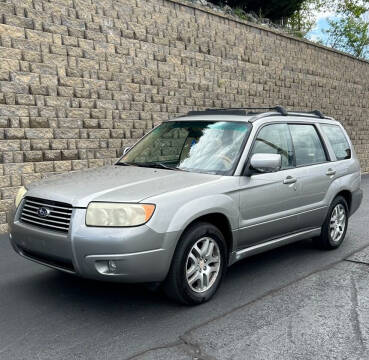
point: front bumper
(137, 254)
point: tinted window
(338, 141)
(275, 139)
(308, 147)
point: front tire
(335, 226)
(198, 265)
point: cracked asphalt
(295, 302)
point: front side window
(307, 144)
(275, 139)
(197, 146)
(338, 141)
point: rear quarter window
(338, 141)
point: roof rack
(235, 111)
(252, 111)
(314, 112)
(238, 111)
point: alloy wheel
(203, 264)
(337, 223)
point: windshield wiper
(122, 163)
(158, 165)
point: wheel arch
(347, 195)
(221, 222)
(345, 186)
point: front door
(268, 202)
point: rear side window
(275, 139)
(308, 146)
(338, 141)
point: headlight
(118, 214)
(20, 195)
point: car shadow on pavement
(241, 278)
(89, 316)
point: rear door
(314, 173)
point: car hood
(115, 184)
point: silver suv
(192, 197)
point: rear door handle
(289, 180)
(331, 172)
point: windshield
(198, 146)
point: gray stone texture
(76, 74)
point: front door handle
(331, 172)
(289, 180)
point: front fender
(196, 208)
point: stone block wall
(80, 79)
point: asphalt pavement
(323, 316)
(294, 302)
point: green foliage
(349, 30)
(240, 13)
(304, 19)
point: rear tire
(335, 226)
(198, 266)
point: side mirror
(125, 150)
(265, 163)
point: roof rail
(238, 111)
(318, 113)
(314, 112)
(252, 111)
(241, 112)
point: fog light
(112, 266)
(106, 267)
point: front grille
(58, 217)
